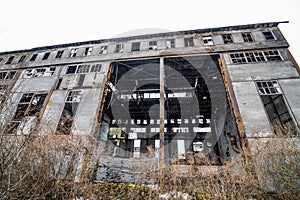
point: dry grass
(62, 167)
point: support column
(162, 113)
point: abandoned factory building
(209, 91)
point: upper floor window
(247, 37)
(6, 75)
(189, 42)
(119, 48)
(46, 56)
(59, 54)
(1, 59)
(10, 59)
(74, 96)
(227, 38)
(34, 56)
(103, 50)
(135, 46)
(260, 56)
(73, 53)
(269, 35)
(83, 69)
(88, 51)
(152, 45)
(22, 58)
(39, 72)
(72, 69)
(268, 87)
(170, 43)
(207, 40)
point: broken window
(1, 59)
(189, 42)
(255, 57)
(238, 58)
(103, 50)
(260, 56)
(207, 40)
(39, 72)
(170, 43)
(269, 35)
(227, 38)
(272, 55)
(96, 68)
(83, 69)
(73, 53)
(88, 51)
(135, 46)
(22, 58)
(46, 56)
(67, 117)
(29, 105)
(119, 48)
(33, 58)
(7, 75)
(10, 59)
(277, 110)
(152, 45)
(59, 54)
(247, 37)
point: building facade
(207, 91)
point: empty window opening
(59, 54)
(247, 37)
(1, 59)
(73, 53)
(207, 40)
(46, 56)
(276, 108)
(88, 51)
(119, 48)
(22, 58)
(103, 50)
(189, 42)
(170, 43)
(135, 46)
(227, 38)
(39, 72)
(152, 45)
(238, 58)
(269, 35)
(71, 69)
(58, 83)
(67, 117)
(10, 59)
(33, 58)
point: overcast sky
(33, 23)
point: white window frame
(73, 52)
(74, 96)
(207, 40)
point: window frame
(153, 45)
(33, 57)
(59, 54)
(46, 56)
(73, 52)
(88, 51)
(227, 38)
(207, 40)
(270, 35)
(247, 37)
(119, 48)
(172, 43)
(189, 42)
(135, 46)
